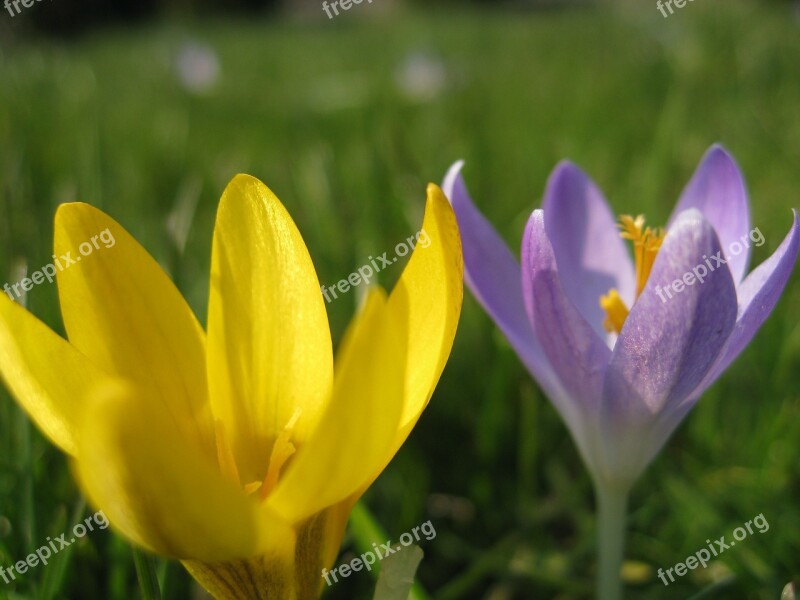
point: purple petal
(665, 348)
(577, 354)
(718, 191)
(493, 275)
(672, 338)
(758, 295)
(591, 255)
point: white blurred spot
(421, 77)
(197, 67)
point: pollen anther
(646, 244)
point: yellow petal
(428, 297)
(162, 491)
(47, 376)
(269, 346)
(122, 311)
(356, 432)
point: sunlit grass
(319, 112)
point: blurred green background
(347, 120)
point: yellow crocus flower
(238, 450)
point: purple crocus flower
(624, 348)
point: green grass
(313, 109)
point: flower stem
(612, 505)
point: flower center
(282, 450)
(646, 243)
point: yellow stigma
(282, 451)
(646, 243)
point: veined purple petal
(591, 255)
(667, 345)
(577, 354)
(717, 190)
(493, 275)
(758, 295)
(674, 333)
